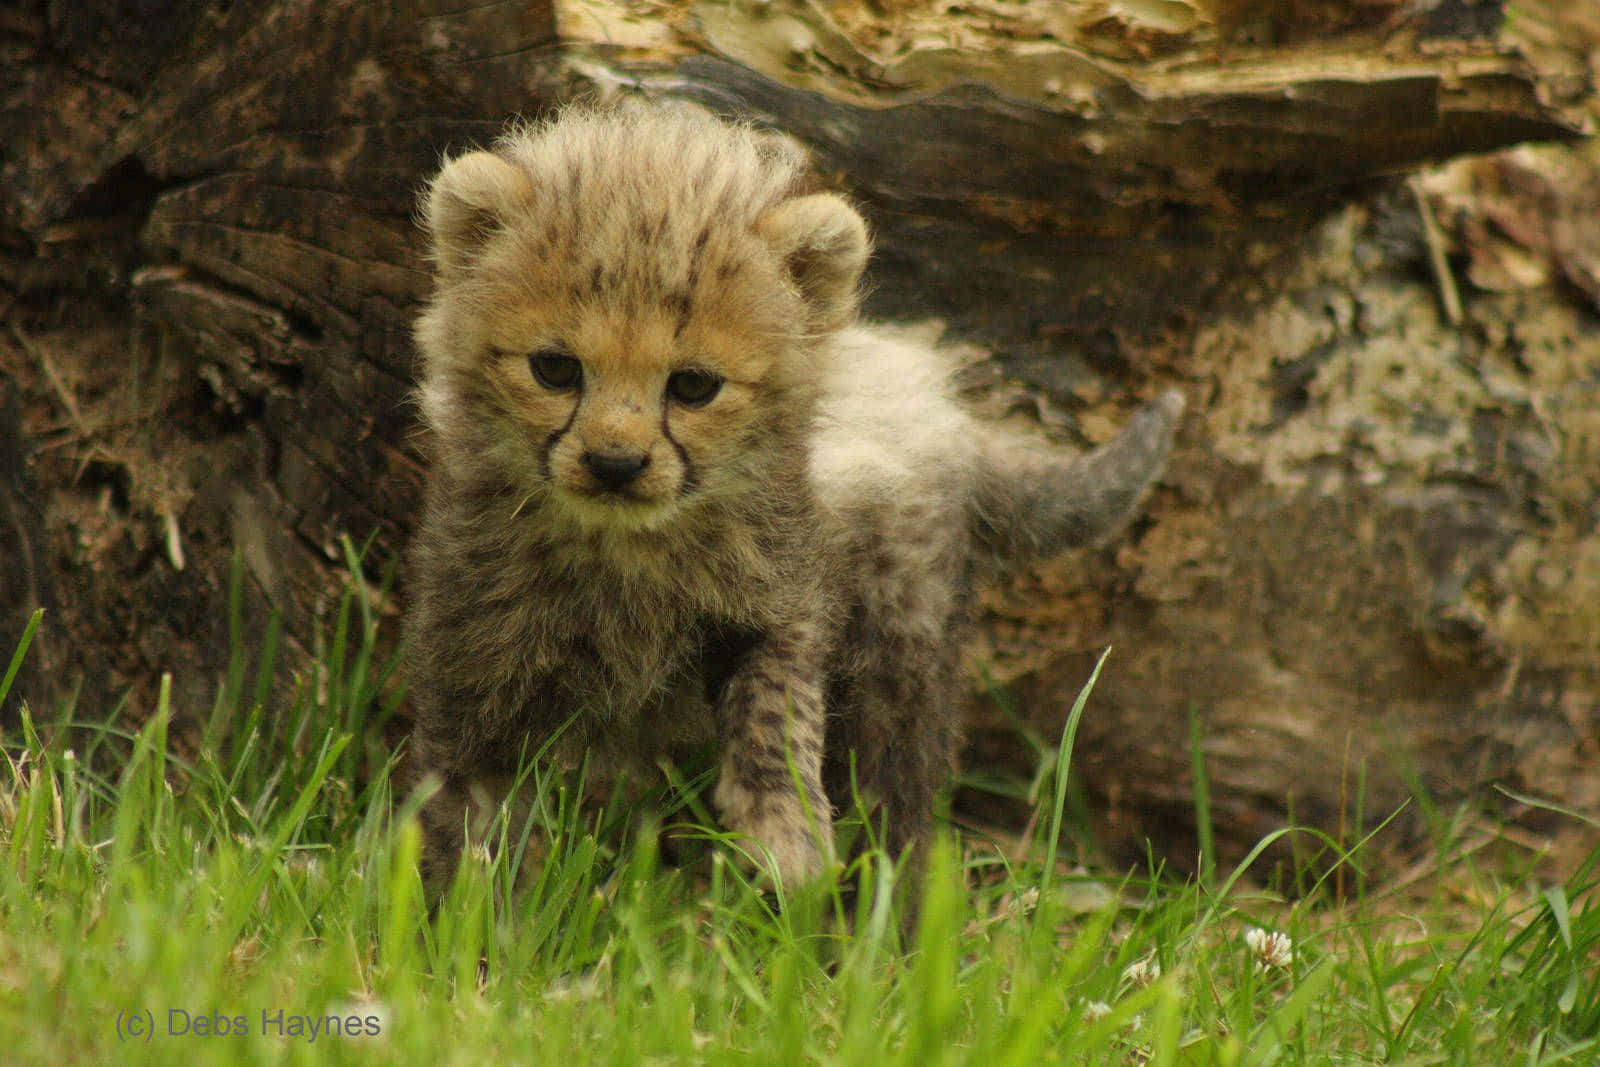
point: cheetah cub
(681, 501)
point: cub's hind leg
(899, 725)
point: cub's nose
(614, 472)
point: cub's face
(623, 353)
(631, 431)
(622, 415)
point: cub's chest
(632, 664)
(667, 712)
(620, 657)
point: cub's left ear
(823, 244)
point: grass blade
(1069, 736)
(21, 650)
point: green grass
(261, 876)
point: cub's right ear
(469, 200)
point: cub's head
(629, 309)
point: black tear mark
(690, 480)
(551, 441)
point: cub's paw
(780, 837)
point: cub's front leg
(771, 715)
(474, 747)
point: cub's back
(890, 440)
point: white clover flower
(362, 1016)
(1270, 948)
(568, 987)
(1141, 973)
(1025, 902)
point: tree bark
(1373, 557)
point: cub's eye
(554, 369)
(693, 388)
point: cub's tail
(1030, 503)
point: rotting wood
(213, 211)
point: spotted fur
(624, 570)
